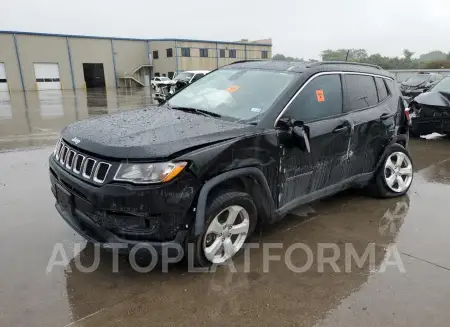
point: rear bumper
(430, 125)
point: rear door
(367, 103)
(319, 106)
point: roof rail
(343, 63)
(246, 60)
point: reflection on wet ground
(417, 225)
(33, 119)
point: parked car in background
(185, 78)
(243, 146)
(159, 81)
(179, 82)
(430, 111)
(418, 83)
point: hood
(152, 133)
(437, 99)
(412, 84)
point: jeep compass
(242, 146)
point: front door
(319, 107)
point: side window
(360, 92)
(321, 98)
(381, 88)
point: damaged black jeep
(246, 144)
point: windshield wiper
(197, 111)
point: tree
(408, 55)
(280, 56)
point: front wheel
(230, 221)
(394, 177)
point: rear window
(361, 92)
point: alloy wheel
(398, 172)
(226, 234)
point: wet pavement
(415, 227)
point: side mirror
(300, 137)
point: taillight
(408, 114)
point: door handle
(385, 116)
(340, 129)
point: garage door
(47, 76)
(3, 81)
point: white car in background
(185, 78)
(159, 81)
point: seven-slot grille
(80, 164)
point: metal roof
(130, 39)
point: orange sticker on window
(232, 88)
(320, 96)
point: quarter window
(361, 92)
(321, 98)
(381, 88)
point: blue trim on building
(176, 58)
(16, 46)
(217, 55)
(70, 62)
(128, 39)
(113, 53)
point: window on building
(222, 53)
(171, 74)
(361, 92)
(264, 54)
(169, 52)
(321, 98)
(155, 54)
(185, 52)
(232, 53)
(381, 88)
(157, 74)
(203, 52)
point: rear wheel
(230, 221)
(394, 177)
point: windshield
(417, 79)
(183, 76)
(443, 85)
(238, 94)
(165, 79)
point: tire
(217, 211)
(381, 186)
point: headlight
(148, 173)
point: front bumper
(158, 215)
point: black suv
(244, 145)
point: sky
(298, 28)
